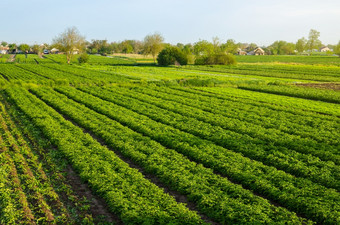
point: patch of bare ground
(98, 207)
(11, 58)
(328, 85)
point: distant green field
(327, 60)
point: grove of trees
(153, 44)
(200, 52)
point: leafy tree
(337, 49)
(230, 46)
(289, 48)
(12, 47)
(170, 55)
(188, 49)
(4, 43)
(180, 46)
(37, 49)
(203, 48)
(251, 47)
(127, 46)
(313, 40)
(24, 47)
(99, 46)
(69, 41)
(216, 59)
(94, 51)
(217, 44)
(153, 44)
(83, 58)
(136, 45)
(301, 44)
(282, 48)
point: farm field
(119, 141)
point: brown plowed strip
(330, 85)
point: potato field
(114, 141)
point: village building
(54, 51)
(241, 52)
(4, 49)
(258, 51)
(325, 49)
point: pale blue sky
(185, 21)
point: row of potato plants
(297, 194)
(199, 110)
(296, 69)
(96, 76)
(331, 96)
(302, 59)
(76, 207)
(29, 59)
(303, 70)
(57, 75)
(264, 71)
(295, 106)
(264, 146)
(13, 202)
(128, 194)
(32, 179)
(93, 59)
(13, 73)
(214, 195)
(262, 116)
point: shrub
(216, 59)
(170, 55)
(83, 58)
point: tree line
(201, 52)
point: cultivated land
(121, 141)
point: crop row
(127, 193)
(35, 191)
(223, 110)
(58, 76)
(267, 72)
(261, 116)
(29, 59)
(13, 201)
(78, 206)
(287, 153)
(97, 76)
(302, 195)
(293, 69)
(12, 73)
(295, 106)
(93, 59)
(324, 60)
(215, 196)
(281, 157)
(300, 92)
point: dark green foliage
(170, 55)
(216, 59)
(83, 58)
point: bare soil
(98, 206)
(329, 85)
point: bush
(170, 55)
(83, 58)
(216, 59)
